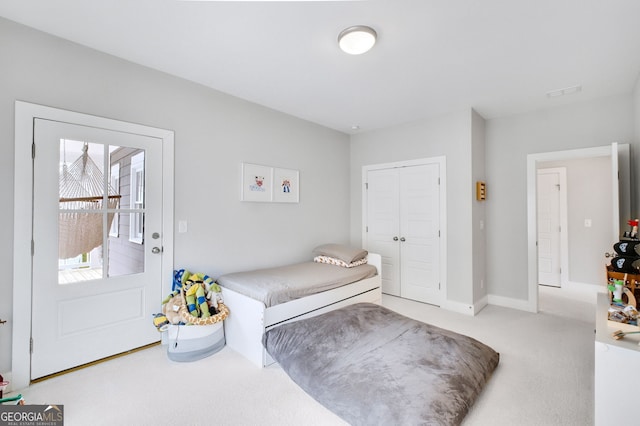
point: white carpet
(545, 377)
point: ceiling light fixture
(565, 91)
(357, 40)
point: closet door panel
(383, 225)
(419, 230)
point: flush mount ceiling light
(565, 91)
(357, 40)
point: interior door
(419, 233)
(383, 223)
(548, 188)
(97, 255)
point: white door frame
(441, 161)
(23, 189)
(532, 208)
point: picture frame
(257, 183)
(286, 185)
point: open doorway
(597, 198)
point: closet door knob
(402, 239)
(395, 238)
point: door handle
(395, 238)
(607, 254)
(403, 239)
(156, 250)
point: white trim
(531, 304)
(136, 168)
(508, 302)
(442, 162)
(25, 113)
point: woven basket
(223, 312)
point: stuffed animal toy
(161, 322)
(170, 309)
(190, 289)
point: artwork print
(257, 182)
(286, 186)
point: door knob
(403, 239)
(395, 238)
(156, 250)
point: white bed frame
(249, 318)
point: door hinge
(366, 185)
(31, 345)
(439, 285)
(33, 247)
(33, 150)
(366, 229)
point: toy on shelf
(633, 234)
(619, 334)
(616, 290)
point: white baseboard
(508, 302)
(461, 308)
(480, 304)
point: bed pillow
(345, 253)
(339, 262)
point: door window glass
(91, 215)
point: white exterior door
(402, 224)
(549, 230)
(97, 255)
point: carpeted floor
(545, 377)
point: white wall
(478, 219)
(449, 136)
(509, 140)
(214, 133)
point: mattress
(278, 285)
(373, 366)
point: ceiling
(433, 57)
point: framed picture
(257, 182)
(286, 186)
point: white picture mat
(257, 182)
(286, 185)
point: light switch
(182, 226)
(587, 223)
